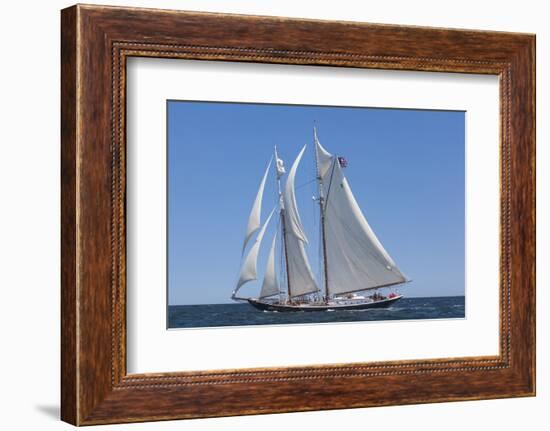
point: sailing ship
(354, 264)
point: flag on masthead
(343, 162)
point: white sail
(270, 286)
(292, 216)
(249, 267)
(256, 211)
(299, 273)
(300, 276)
(323, 157)
(355, 258)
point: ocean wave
(217, 315)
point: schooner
(354, 262)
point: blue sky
(405, 167)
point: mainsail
(256, 211)
(270, 286)
(300, 276)
(354, 257)
(248, 269)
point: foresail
(249, 267)
(270, 286)
(300, 276)
(256, 211)
(355, 258)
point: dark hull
(266, 306)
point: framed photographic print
(321, 214)
(347, 258)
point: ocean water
(243, 314)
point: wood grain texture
(96, 41)
(68, 218)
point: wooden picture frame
(95, 43)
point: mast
(279, 170)
(322, 213)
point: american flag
(343, 162)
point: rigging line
(305, 184)
(330, 183)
